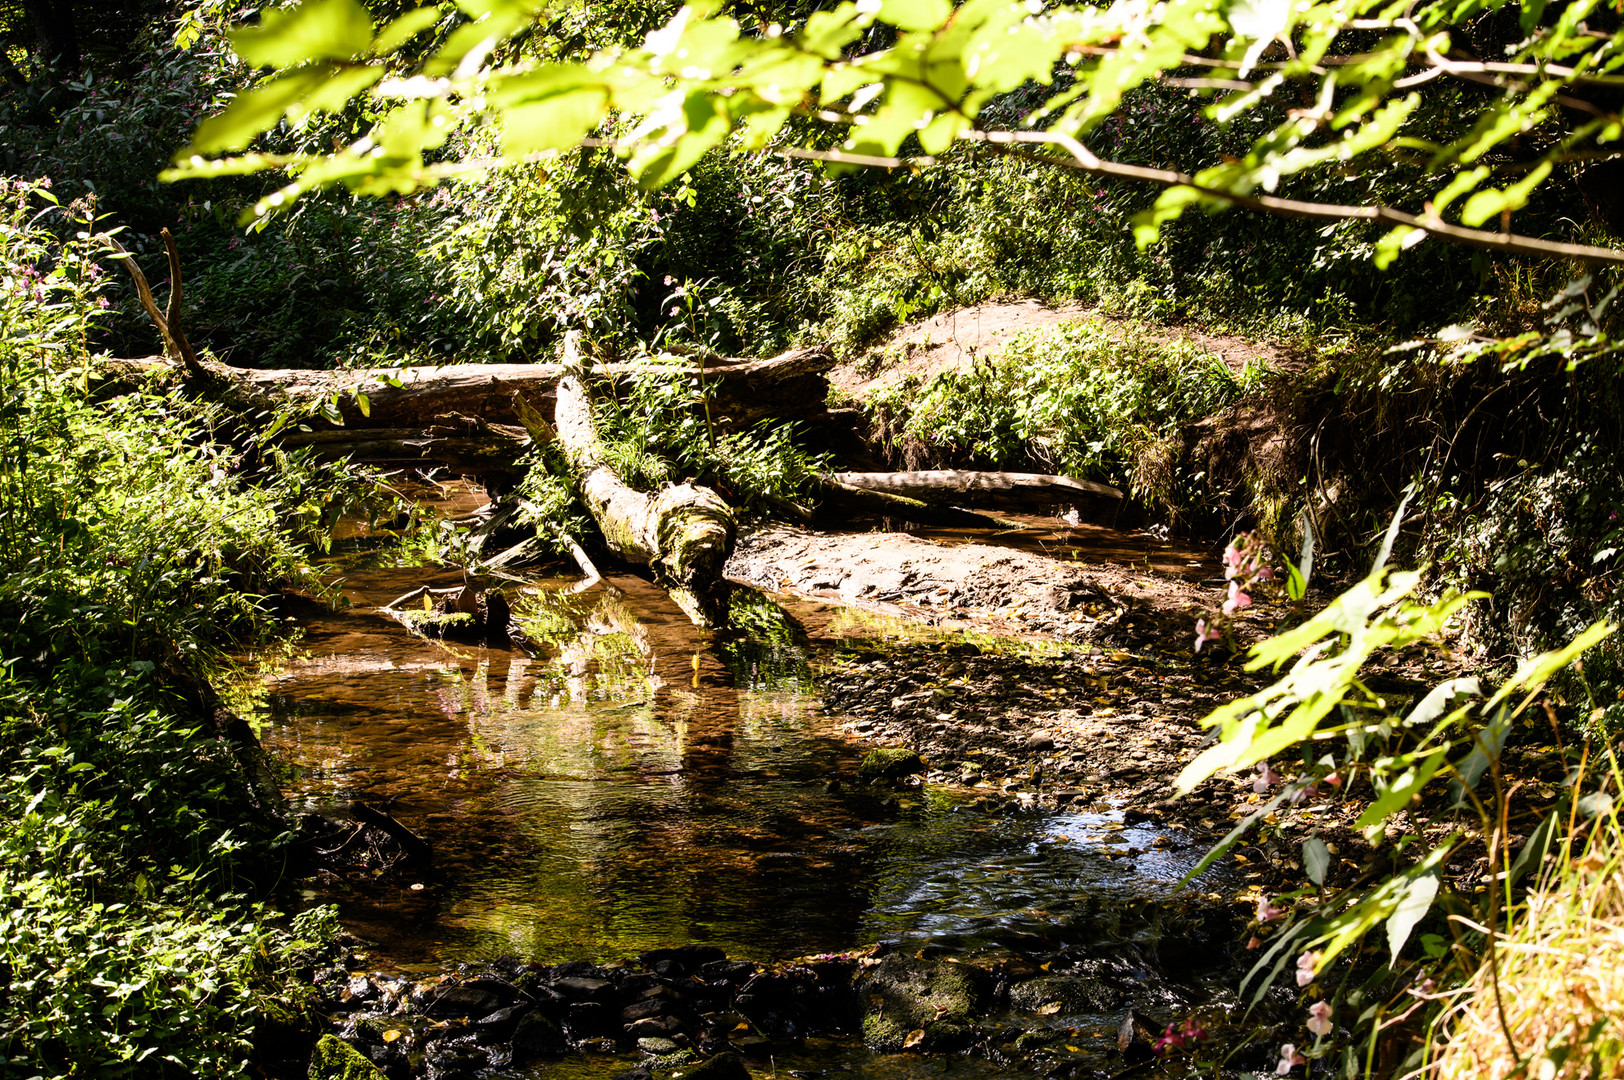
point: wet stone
(580, 988)
(503, 1020)
(463, 999)
(656, 1046)
(536, 1036)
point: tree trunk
(970, 488)
(682, 533)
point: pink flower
(1289, 1057)
(1205, 633)
(1266, 911)
(1306, 963)
(1265, 573)
(1266, 777)
(1188, 1032)
(1319, 1019)
(1334, 780)
(1237, 599)
(1254, 942)
(1304, 794)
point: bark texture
(683, 533)
(973, 488)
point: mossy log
(429, 403)
(682, 533)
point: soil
(956, 339)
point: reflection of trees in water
(607, 795)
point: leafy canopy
(1332, 86)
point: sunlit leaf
(313, 30)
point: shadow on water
(641, 783)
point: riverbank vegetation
(1463, 371)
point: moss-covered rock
(914, 1004)
(726, 1066)
(336, 1059)
(889, 764)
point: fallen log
(742, 392)
(682, 533)
(835, 495)
(964, 487)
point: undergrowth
(1088, 399)
(134, 550)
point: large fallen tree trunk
(963, 487)
(682, 533)
(742, 392)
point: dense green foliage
(133, 548)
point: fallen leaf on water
(391, 1035)
(915, 1037)
(1049, 1008)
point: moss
(336, 1059)
(919, 1004)
(889, 764)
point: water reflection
(638, 784)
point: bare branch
(1510, 243)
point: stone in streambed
(1073, 994)
(889, 765)
(536, 1036)
(726, 1066)
(335, 1059)
(919, 1004)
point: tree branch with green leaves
(1338, 87)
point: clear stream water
(641, 783)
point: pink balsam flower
(1289, 1057)
(1319, 1019)
(1306, 963)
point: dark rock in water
(796, 1001)
(502, 1021)
(335, 1059)
(754, 1046)
(479, 998)
(687, 959)
(583, 988)
(536, 1036)
(1135, 1034)
(654, 1026)
(579, 969)
(889, 764)
(732, 972)
(1072, 993)
(455, 1058)
(721, 1067)
(640, 1010)
(590, 1018)
(1039, 740)
(919, 1004)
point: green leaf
(915, 14)
(553, 123)
(1398, 794)
(314, 30)
(1169, 205)
(1538, 845)
(1533, 673)
(403, 29)
(1316, 859)
(254, 112)
(1486, 204)
(1411, 909)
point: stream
(641, 784)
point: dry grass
(1561, 976)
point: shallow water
(642, 783)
